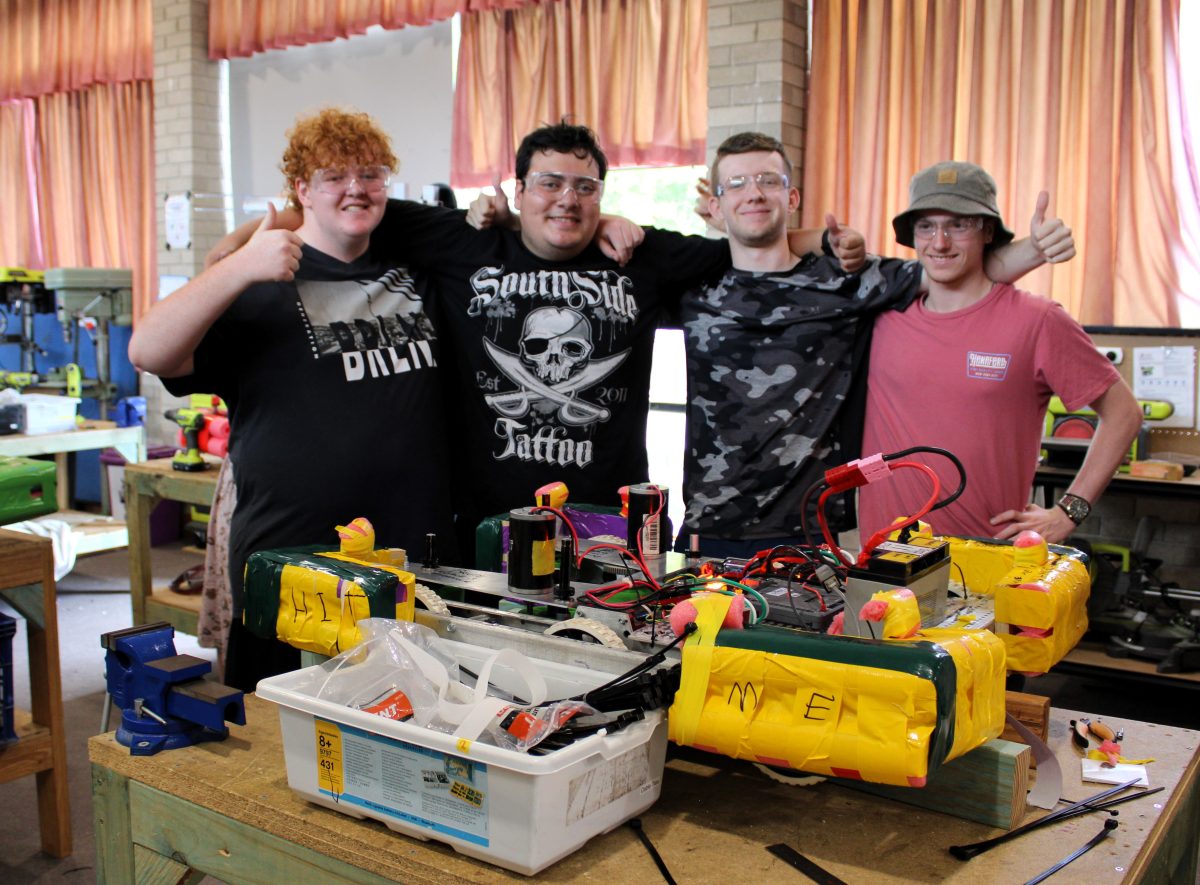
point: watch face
(1076, 508)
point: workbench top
(713, 822)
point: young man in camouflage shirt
(776, 358)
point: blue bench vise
(164, 698)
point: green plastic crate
(28, 487)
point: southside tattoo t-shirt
(548, 362)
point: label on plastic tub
(599, 787)
(403, 781)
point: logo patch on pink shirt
(987, 366)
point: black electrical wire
(635, 824)
(812, 539)
(934, 450)
(596, 694)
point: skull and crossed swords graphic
(553, 364)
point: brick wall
(757, 71)
(187, 149)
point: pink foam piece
(682, 614)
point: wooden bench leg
(45, 690)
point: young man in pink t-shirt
(971, 367)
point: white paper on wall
(1169, 374)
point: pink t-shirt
(976, 382)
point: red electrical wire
(638, 557)
(546, 508)
(881, 535)
(653, 516)
(624, 551)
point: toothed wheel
(432, 601)
(587, 630)
(792, 780)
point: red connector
(857, 473)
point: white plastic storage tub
(45, 413)
(518, 811)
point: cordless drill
(190, 421)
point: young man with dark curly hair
(324, 351)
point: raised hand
(847, 244)
(490, 210)
(1052, 238)
(273, 252)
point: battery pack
(28, 488)
(922, 565)
(807, 606)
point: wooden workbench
(146, 484)
(225, 809)
(129, 441)
(27, 583)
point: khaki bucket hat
(961, 188)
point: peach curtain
(70, 44)
(1067, 96)
(636, 71)
(240, 28)
(77, 140)
(20, 245)
(95, 153)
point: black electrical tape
(790, 855)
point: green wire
(755, 616)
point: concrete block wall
(187, 148)
(758, 72)
(1176, 542)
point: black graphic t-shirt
(335, 408)
(551, 359)
(772, 366)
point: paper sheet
(1167, 373)
(1094, 771)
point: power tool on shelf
(191, 422)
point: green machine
(93, 299)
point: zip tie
(1109, 826)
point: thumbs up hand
(847, 244)
(1052, 238)
(273, 252)
(491, 210)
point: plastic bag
(404, 671)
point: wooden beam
(987, 785)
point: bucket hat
(961, 188)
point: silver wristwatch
(1076, 508)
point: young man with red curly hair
(320, 347)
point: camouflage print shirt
(772, 361)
